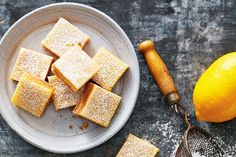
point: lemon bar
(135, 147)
(97, 105)
(31, 62)
(63, 96)
(62, 36)
(112, 68)
(32, 94)
(75, 68)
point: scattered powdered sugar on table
(165, 135)
(196, 154)
(230, 150)
(167, 130)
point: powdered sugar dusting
(112, 68)
(229, 150)
(32, 94)
(31, 62)
(76, 66)
(101, 105)
(62, 35)
(135, 146)
(195, 154)
(63, 96)
(166, 134)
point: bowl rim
(24, 134)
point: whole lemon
(214, 95)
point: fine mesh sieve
(196, 141)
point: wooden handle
(159, 71)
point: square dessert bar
(134, 147)
(75, 68)
(31, 62)
(112, 68)
(63, 96)
(32, 94)
(98, 105)
(62, 36)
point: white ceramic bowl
(51, 132)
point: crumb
(70, 126)
(60, 115)
(84, 126)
